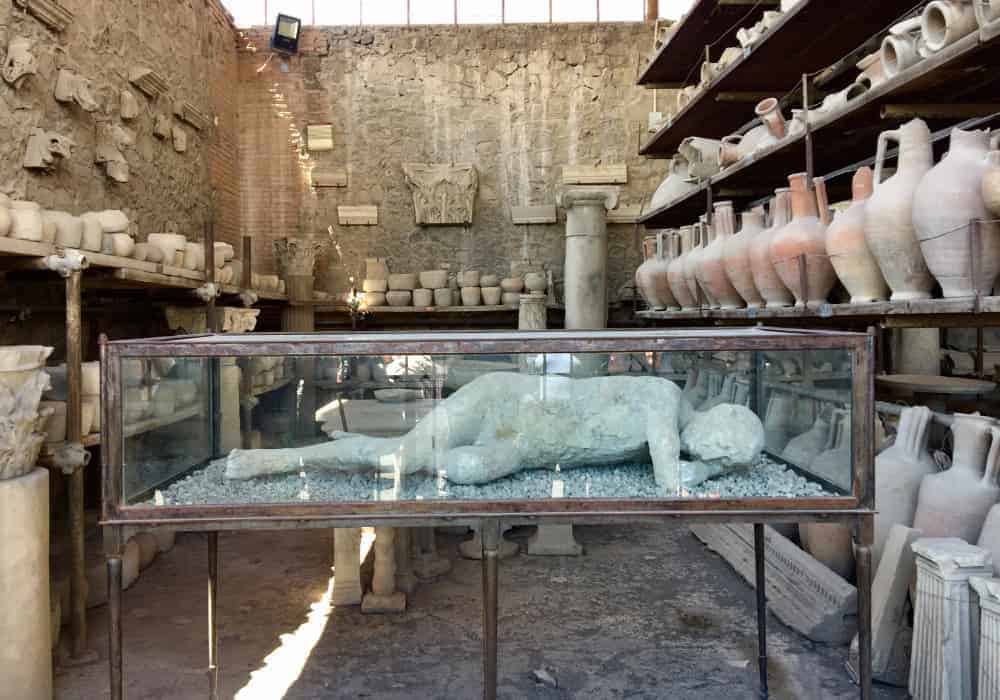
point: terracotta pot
(803, 241)
(675, 270)
(423, 297)
(848, 250)
(765, 277)
(831, 544)
(692, 264)
(889, 228)
(677, 183)
(736, 258)
(947, 199)
(492, 296)
(661, 269)
(68, 228)
(472, 296)
(489, 281)
(375, 299)
(512, 285)
(399, 297)
(769, 111)
(954, 503)
(991, 184)
(375, 285)
(468, 278)
(713, 265)
(402, 282)
(872, 70)
(900, 51)
(120, 244)
(535, 282)
(944, 22)
(434, 279)
(510, 298)
(702, 156)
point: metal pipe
(759, 583)
(74, 434)
(213, 629)
(490, 535)
(115, 627)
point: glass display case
(444, 424)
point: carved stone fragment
(112, 139)
(357, 216)
(179, 137)
(162, 126)
(189, 114)
(46, 150)
(595, 174)
(129, 105)
(71, 87)
(148, 81)
(442, 194)
(237, 320)
(20, 62)
(297, 256)
(49, 12)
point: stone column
(942, 660)
(25, 630)
(586, 267)
(383, 597)
(917, 351)
(346, 566)
(234, 320)
(406, 580)
(989, 636)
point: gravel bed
(207, 486)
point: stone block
(357, 215)
(595, 174)
(319, 137)
(801, 592)
(554, 541)
(322, 177)
(625, 215)
(537, 214)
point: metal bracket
(66, 261)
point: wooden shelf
(849, 136)
(707, 22)
(812, 36)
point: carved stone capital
(237, 320)
(186, 319)
(606, 197)
(297, 256)
(442, 194)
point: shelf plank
(807, 39)
(15, 246)
(707, 22)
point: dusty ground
(646, 613)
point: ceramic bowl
(434, 279)
(423, 297)
(468, 278)
(120, 244)
(442, 297)
(511, 299)
(375, 286)
(492, 295)
(512, 284)
(472, 296)
(404, 282)
(489, 281)
(398, 298)
(375, 299)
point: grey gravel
(208, 486)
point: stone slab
(625, 215)
(322, 177)
(801, 592)
(595, 174)
(366, 215)
(536, 214)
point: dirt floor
(647, 612)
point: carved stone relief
(71, 87)
(297, 256)
(191, 115)
(237, 320)
(129, 105)
(180, 139)
(148, 81)
(46, 150)
(112, 139)
(48, 12)
(442, 194)
(20, 62)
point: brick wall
(519, 101)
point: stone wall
(191, 43)
(518, 101)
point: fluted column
(988, 591)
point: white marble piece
(346, 566)
(988, 677)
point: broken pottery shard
(148, 81)
(801, 592)
(71, 87)
(49, 12)
(442, 194)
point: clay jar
(492, 295)
(675, 270)
(765, 277)
(376, 269)
(661, 268)
(644, 273)
(691, 263)
(471, 296)
(713, 267)
(954, 503)
(889, 228)
(898, 472)
(944, 22)
(848, 250)
(803, 241)
(990, 188)
(947, 199)
(736, 258)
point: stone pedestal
(988, 682)
(586, 266)
(231, 438)
(473, 549)
(942, 661)
(384, 598)
(532, 313)
(427, 562)
(25, 634)
(554, 541)
(406, 580)
(346, 566)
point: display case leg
(863, 561)
(490, 533)
(213, 630)
(115, 627)
(759, 584)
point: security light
(286, 34)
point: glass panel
(525, 11)
(247, 13)
(432, 11)
(623, 10)
(479, 12)
(302, 9)
(342, 12)
(383, 12)
(481, 427)
(574, 10)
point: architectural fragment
(20, 62)
(237, 320)
(112, 139)
(595, 174)
(71, 87)
(989, 636)
(319, 137)
(148, 81)
(49, 12)
(46, 150)
(357, 215)
(129, 105)
(191, 115)
(162, 126)
(537, 214)
(336, 177)
(179, 138)
(442, 194)
(297, 256)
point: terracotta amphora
(713, 263)
(954, 503)
(964, 258)
(765, 277)
(691, 262)
(644, 273)
(848, 250)
(899, 470)
(889, 229)
(803, 241)
(736, 258)
(707, 238)
(682, 243)
(659, 274)
(991, 183)
(944, 22)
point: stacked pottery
(433, 289)
(26, 221)
(652, 276)
(765, 277)
(899, 470)
(848, 250)
(22, 424)
(401, 286)
(713, 265)
(675, 270)
(511, 287)
(707, 236)
(644, 273)
(889, 228)
(736, 258)
(691, 262)
(471, 292)
(803, 242)
(376, 282)
(947, 200)
(954, 503)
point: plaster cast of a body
(499, 424)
